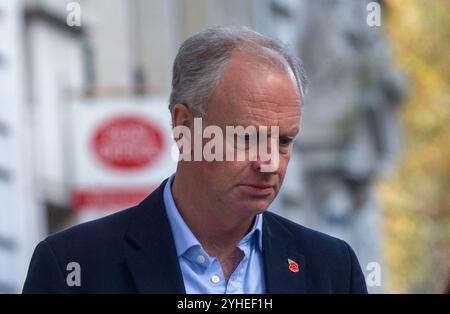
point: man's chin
(252, 208)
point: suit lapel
(150, 250)
(279, 246)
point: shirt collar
(183, 236)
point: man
(206, 228)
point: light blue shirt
(202, 273)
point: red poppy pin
(293, 266)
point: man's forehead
(264, 96)
(262, 83)
(254, 109)
(283, 126)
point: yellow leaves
(406, 256)
(417, 198)
(390, 194)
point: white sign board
(122, 150)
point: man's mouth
(257, 189)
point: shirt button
(201, 259)
(215, 279)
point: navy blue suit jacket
(133, 251)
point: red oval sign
(128, 143)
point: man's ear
(182, 115)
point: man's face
(250, 95)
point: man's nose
(268, 166)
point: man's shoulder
(309, 239)
(95, 233)
(113, 227)
(332, 264)
(94, 246)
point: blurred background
(85, 129)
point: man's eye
(284, 141)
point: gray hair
(201, 60)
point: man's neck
(214, 227)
